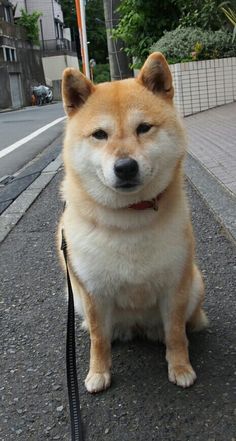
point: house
(20, 64)
(58, 51)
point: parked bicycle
(42, 95)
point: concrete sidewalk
(211, 162)
(212, 141)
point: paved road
(17, 125)
(141, 405)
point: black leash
(72, 383)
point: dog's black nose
(126, 168)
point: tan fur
(130, 270)
(100, 349)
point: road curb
(15, 184)
(218, 198)
(11, 216)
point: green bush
(30, 23)
(192, 44)
(101, 73)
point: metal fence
(59, 45)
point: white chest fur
(133, 267)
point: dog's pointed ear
(76, 89)
(156, 76)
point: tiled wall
(201, 85)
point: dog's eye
(100, 134)
(143, 128)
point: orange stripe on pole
(78, 13)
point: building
(20, 63)
(51, 22)
(58, 51)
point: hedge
(188, 44)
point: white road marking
(28, 138)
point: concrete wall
(30, 69)
(5, 95)
(28, 65)
(12, 31)
(57, 11)
(20, 4)
(56, 90)
(54, 66)
(67, 33)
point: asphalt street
(14, 126)
(141, 405)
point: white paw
(183, 376)
(96, 382)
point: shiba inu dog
(126, 222)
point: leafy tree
(143, 22)
(96, 31)
(101, 73)
(30, 23)
(203, 13)
(229, 10)
(69, 13)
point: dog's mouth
(127, 185)
(121, 185)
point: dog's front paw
(96, 381)
(183, 376)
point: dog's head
(123, 139)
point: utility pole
(119, 62)
(80, 12)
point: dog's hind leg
(197, 317)
(198, 321)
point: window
(7, 14)
(9, 53)
(57, 29)
(13, 54)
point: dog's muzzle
(127, 172)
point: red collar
(144, 205)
